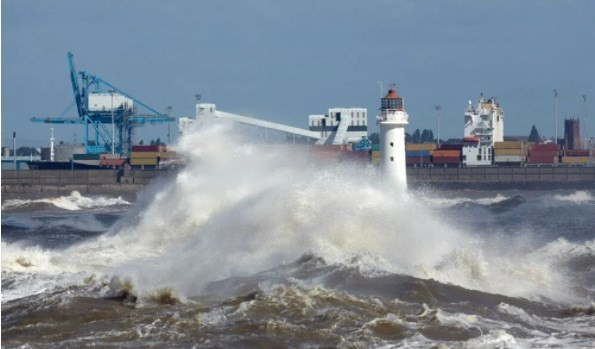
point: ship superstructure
(485, 121)
(484, 125)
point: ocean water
(255, 246)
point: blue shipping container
(417, 153)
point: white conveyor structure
(205, 112)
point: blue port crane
(100, 104)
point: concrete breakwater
(542, 178)
(112, 182)
(17, 183)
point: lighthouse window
(392, 159)
(392, 144)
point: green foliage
(534, 135)
(427, 136)
(416, 138)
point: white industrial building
(340, 126)
(105, 101)
(484, 125)
(355, 120)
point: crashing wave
(73, 202)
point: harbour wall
(16, 183)
(108, 181)
(527, 178)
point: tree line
(427, 136)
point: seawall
(123, 182)
(108, 182)
(528, 178)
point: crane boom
(80, 106)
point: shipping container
(417, 153)
(509, 145)
(146, 148)
(450, 147)
(147, 162)
(544, 147)
(447, 153)
(542, 160)
(508, 158)
(422, 146)
(509, 151)
(418, 160)
(543, 153)
(575, 159)
(446, 160)
(169, 155)
(577, 152)
(144, 155)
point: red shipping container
(543, 153)
(145, 148)
(446, 160)
(418, 160)
(548, 146)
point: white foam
(73, 202)
(578, 197)
(443, 202)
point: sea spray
(240, 208)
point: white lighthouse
(393, 119)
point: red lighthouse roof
(392, 94)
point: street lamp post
(556, 115)
(14, 150)
(168, 111)
(585, 135)
(113, 125)
(438, 118)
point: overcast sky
(284, 60)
